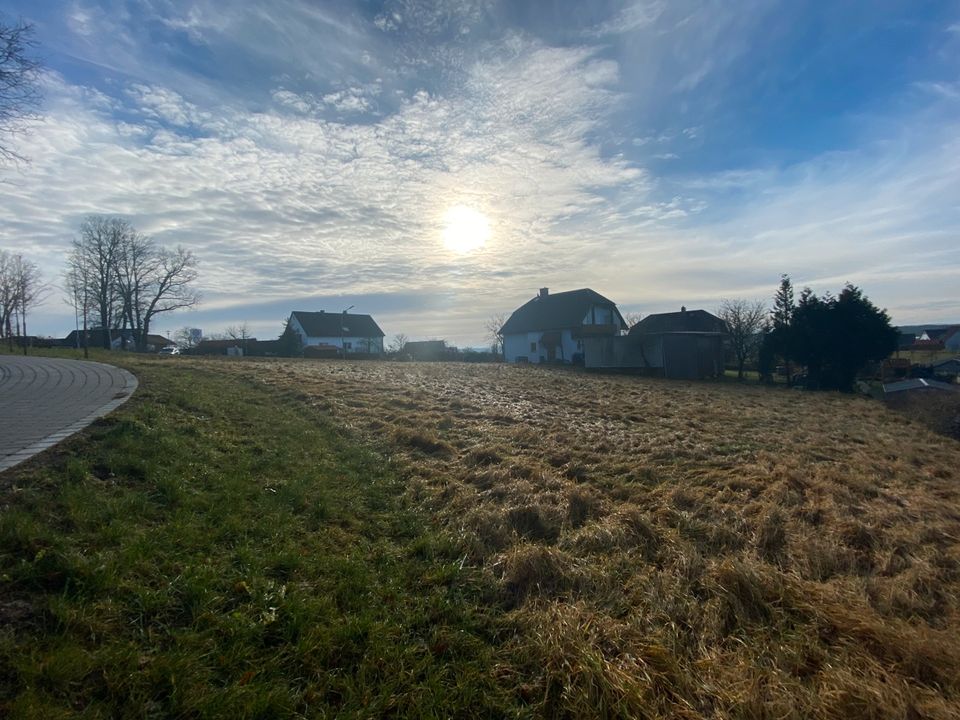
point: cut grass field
(362, 539)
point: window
(347, 346)
(533, 347)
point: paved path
(44, 400)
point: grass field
(513, 541)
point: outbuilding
(686, 344)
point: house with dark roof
(686, 344)
(426, 350)
(94, 338)
(951, 338)
(347, 333)
(947, 369)
(552, 328)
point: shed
(686, 344)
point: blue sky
(662, 153)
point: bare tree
(97, 251)
(237, 332)
(187, 337)
(8, 296)
(136, 265)
(398, 343)
(21, 289)
(77, 285)
(130, 279)
(745, 320)
(493, 327)
(171, 287)
(19, 89)
(632, 318)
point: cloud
(311, 163)
(283, 203)
(635, 16)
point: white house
(345, 332)
(552, 328)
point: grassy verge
(217, 548)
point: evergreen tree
(835, 337)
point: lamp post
(343, 352)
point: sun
(465, 229)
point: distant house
(426, 349)
(922, 385)
(947, 369)
(552, 328)
(686, 344)
(95, 338)
(951, 338)
(347, 333)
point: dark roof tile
(699, 321)
(324, 324)
(556, 311)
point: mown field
(263, 538)
(680, 549)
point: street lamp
(343, 352)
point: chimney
(544, 292)
(683, 308)
(321, 312)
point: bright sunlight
(465, 229)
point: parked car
(169, 350)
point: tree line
(830, 337)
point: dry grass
(680, 549)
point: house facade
(686, 344)
(552, 328)
(347, 333)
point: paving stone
(45, 400)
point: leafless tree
(8, 296)
(745, 320)
(137, 263)
(19, 89)
(237, 332)
(131, 279)
(169, 288)
(398, 343)
(95, 257)
(187, 337)
(493, 327)
(77, 286)
(21, 290)
(632, 318)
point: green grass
(216, 548)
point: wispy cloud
(654, 151)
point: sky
(435, 163)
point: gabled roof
(324, 324)
(685, 321)
(918, 384)
(949, 333)
(556, 311)
(937, 333)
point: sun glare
(465, 229)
